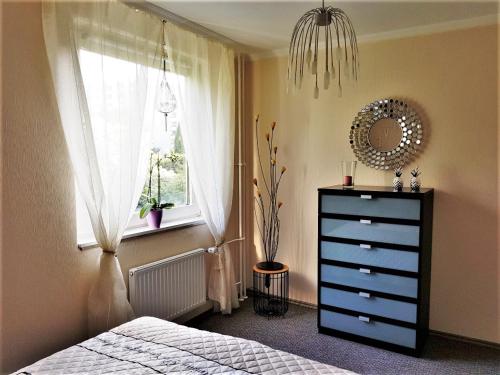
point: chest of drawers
(374, 265)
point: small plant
(398, 172)
(152, 203)
(415, 172)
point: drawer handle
(364, 294)
(365, 221)
(365, 196)
(365, 270)
(365, 246)
(364, 319)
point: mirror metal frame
(411, 139)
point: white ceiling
(267, 25)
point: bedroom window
(166, 139)
(174, 173)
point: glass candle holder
(348, 174)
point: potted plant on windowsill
(152, 210)
(268, 209)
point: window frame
(173, 218)
(188, 211)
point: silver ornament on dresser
(415, 179)
(397, 182)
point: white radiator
(170, 287)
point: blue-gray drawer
(366, 303)
(372, 329)
(368, 205)
(364, 278)
(371, 231)
(371, 256)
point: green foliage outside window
(173, 177)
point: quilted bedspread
(153, 346)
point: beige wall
(452, 79)
(44, 277)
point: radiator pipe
(241, 247)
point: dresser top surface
(375, 189)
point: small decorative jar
(415, 180)
(397, 182)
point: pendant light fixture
(167, 102)
(341, 48)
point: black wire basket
(270, 290)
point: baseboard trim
(303, 304)
(465, 339)
(202, 310)
(446, 335)
(294, 301)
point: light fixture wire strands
(336, 28)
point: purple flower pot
(154, 218)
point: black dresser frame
(426, 198)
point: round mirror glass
(385, 135)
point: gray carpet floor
(297, 334)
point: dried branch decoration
(269, 225)
(336, 28)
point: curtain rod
(184, 22)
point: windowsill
(146, 231)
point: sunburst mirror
(386, 134)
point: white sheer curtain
(108, 136)
(206, 103)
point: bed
(153, 346)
